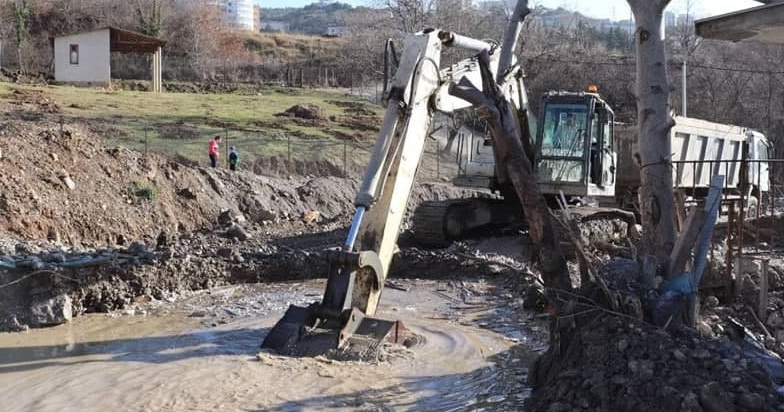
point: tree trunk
(19, 56)
(498, 111)
(654, 121)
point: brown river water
(200, 353)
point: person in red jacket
(214, 151)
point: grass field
(181, 123)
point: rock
(225, 252)
(775, 320)
(714, 399)
(51, 311)
(704, 328)
(559, 407)
(311, 216)
(53, 235)
(690, 403)
(224, 218)
(643, 369)
(263, 215)
(622, 345)
(137, 248)
(55, 258)
(678, 355)
(69, 183)
(238, 232)
(751, 401)
(306, 111)
(162, 241)
(711, 302)
(187, 194)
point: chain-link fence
(271, 151)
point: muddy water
(200, 354)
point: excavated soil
(68, 187)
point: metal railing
(751, 228)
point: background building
(239, 13)
(256, 18)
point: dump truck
(701, 149)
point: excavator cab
(574, 146)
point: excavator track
(428, 222)
(438, 223)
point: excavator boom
(358, 270)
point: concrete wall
(94, 58)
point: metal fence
(750, 232)
(271, 151)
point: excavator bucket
(301, 333)
(332, 324)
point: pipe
(451, 39)
(513, 30)
(684, 89)
(353, 232)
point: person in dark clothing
(234, 158)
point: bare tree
(410, 16)
(21, 15)
(655, 122)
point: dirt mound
(281, 166)
(69, 187)
(36, 98)
(614, 364)
(306, 111)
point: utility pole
(683, 84)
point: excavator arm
(358, 270)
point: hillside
(292, 47)
(179, 124)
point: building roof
(125, 41)
(763, 24)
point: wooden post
(728, 257)
(680, 208)
(345, 158)
(762, 311)
(685, 242)
(288, 148)
(738, 276)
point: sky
(618, 9)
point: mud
(200, 353)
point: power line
(674, 63)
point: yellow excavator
(357, 271)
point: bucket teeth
(289, 329)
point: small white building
(335, 31)
(85, 58)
